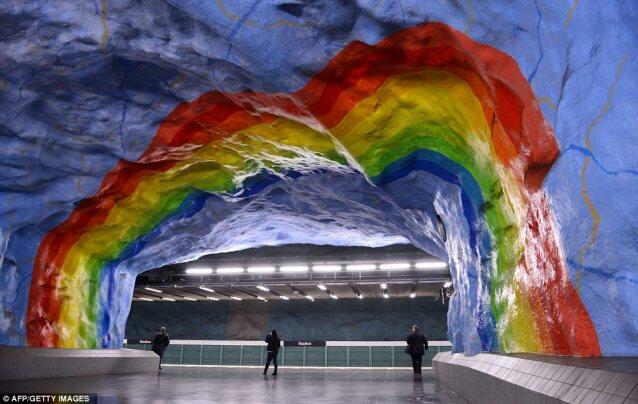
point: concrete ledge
(493, 378)
(20, 363)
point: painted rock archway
(381, 139)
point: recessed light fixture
(199, 271)
(262, 287)
(383, 285)
(430, 265)
(395, 266)
(412, 295)
(262, 298)
(146, 299)
(284, 297)
(236, 298)
(190, 298)
(326, 268)
(207, 289)
(261, 270)
(386, 295)
(322, 286)
(212, 298)
(447, 284)
(168, 299)
(153, 290)
(312, 299)
(294, 268)
(230, 270)
(361, 267)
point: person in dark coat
(417, 345)
(160, 342)
(273, 342)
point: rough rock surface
(92, 92)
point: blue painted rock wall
(84, 86)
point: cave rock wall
(138, 134)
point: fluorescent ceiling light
(383, 285)
(190, 298)
(334, 297)
(212, 298)
(207, 289)
(168, 298)
(322, 286)
(361, 267)
(412, 295)
(386, 295)
(262, 287)
(326, 268)
(153, 290)
(430, 265)
(144, 298)
(294, 268)
(447, 284)
(284, 297)
(309, 297)
(199, 271)
(395, 266)
(262, 298)
(230, 270)
(261, 270)
(236, 298)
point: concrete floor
(248, 385)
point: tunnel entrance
(331, 305)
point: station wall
(341, 320)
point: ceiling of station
(412, 280)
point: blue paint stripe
(600, 272)
(471, 200)
(423, 160)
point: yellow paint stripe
(429, 96)
(105, 26)
(213, 168)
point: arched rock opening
(386, 137)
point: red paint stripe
(556, 304)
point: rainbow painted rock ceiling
(138, 134)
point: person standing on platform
(417, 345)
(160, 342)
(273, 342)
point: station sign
(138, 341)
(305, 343)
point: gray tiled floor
(248, 385)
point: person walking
(273, 342)
(417, 345)
(160, 342)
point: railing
(334, 354)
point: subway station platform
(196, 384)
(528, 378)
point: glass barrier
(329, 356)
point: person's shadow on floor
(417, 388)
